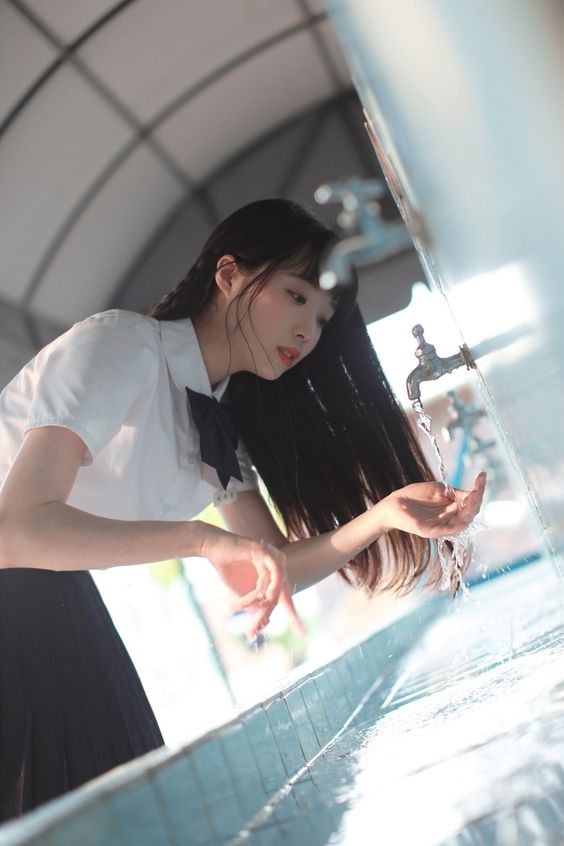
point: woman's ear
(227, 276)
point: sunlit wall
(466, 101)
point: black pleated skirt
(71, 703)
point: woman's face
(282, 324)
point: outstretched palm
(425, 509)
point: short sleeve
(234, 486)
(87, 379)
(250, 480)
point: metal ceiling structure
(129, 129)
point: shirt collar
(184, 358)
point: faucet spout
(432, 366)
(366, 237)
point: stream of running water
(454, 552)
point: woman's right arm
(39, 530)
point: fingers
(254, 597)
(270, 588)
(478, 489)
(457, 515)
(256, 604)
(261, 618)
(470, 502)
(480, 486)
(270, 564)
(258, 622)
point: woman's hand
(241, 580)
(425, 509)
(254, 569)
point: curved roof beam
(143, 134)
(319, 115)
(66, 50)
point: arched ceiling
(129, 129)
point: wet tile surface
(459, 739)
(138, 816)
(285, 734)
(265, 749)
(303, 723)
(465, 746)
(180, 797)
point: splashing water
(424, 423)
(453, 551)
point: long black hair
(328, 438)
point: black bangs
(307, 263)
(264, 237)
(345, 297)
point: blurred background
(128, 131)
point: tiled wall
(207, 792)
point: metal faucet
(376, 239)
(432, 366)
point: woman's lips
(288, 355)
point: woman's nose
(302, 334)
(305, 331)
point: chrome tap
(432, 366)
(375, 239)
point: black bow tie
(218, 435)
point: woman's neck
(214, 345)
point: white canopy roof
(129, 129)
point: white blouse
(118, 379)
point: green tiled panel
(267, 835)
(343, 690)
(243, 769)
(358, 672)
(206, 794)
(92, 826)
(302, 723)
(43, 839)
(225, 814)
(138, 816)
(334, 701)
(316, 711)
(285, 735)
(183, 807)
(265, 749)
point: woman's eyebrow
(333, 303)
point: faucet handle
(417, 331)
(425, 350)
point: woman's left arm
(307, 561)
(422, 509)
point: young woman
(114, 436)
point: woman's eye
(298, 298)
(322, 322)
